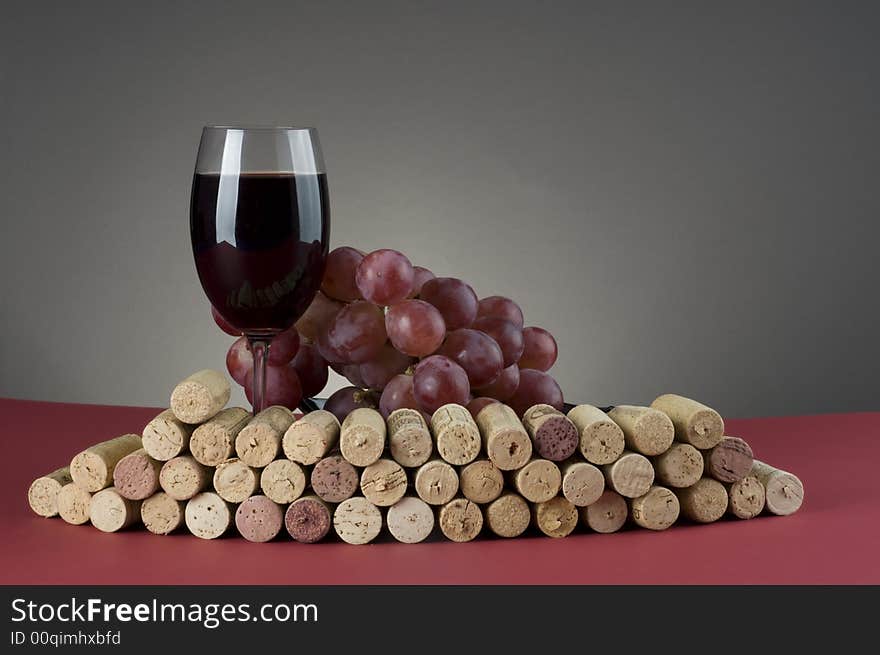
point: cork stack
(212, 469)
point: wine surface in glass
(259, 241)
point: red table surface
(834, 538)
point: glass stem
(260, 350)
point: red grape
(357, 332)
(344, 401)
(282, 387)
(398, 393)
(539, 351)
(501, 307)
(223, 324)
(283, 347)
(438, 381)
(504, 387)
(239, 360)
(352, 373)
(477, 353)
(385, 277)
(339, 274)
(415, 327)
(456, 301)
(377, 372)
(317, 316)
(311, 369)
(535, 387)
(477, 404)
(335, 358)
(505, 333)
(420, 276)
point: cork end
(207, 515)
(89, 472)
(161, 514)
(110, 512)
(785, 493)
(655, 433)
(510, 450)
(43, 497)
(191, 402)
(705, 429)
(163, 439)
(308, 520)
(602, 442)
(746, 498)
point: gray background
(686, 196)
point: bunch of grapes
(403, 338)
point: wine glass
(260, 227)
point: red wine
(260, 245)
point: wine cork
(235, 481)
(631, 476)
(136, 475)
(730, 460)
(460, 520)
(582, 483)
(680, 466)
(308, 519)
(212, 443)
(538, 481)
(283, 481)
(259, 442)
(505, 439)
(207, 515)
(436, 482)
(606, 515)
(481, 481)
(92, 469)
(656, 510)
(456, 434)
(200, 396)
(166, 436)
(409, 439)
(601, 439)
(258, 519)
(410, 520)
(508, 516)
(43, 492)
(556, 517)
(555, 437)
(73, 504)
(111, 512)
(696, 424)
(310, 438)
(183, 477)
(703, 502)
(334, 480)
(162, 514)
(645, 430)
(362, 436)
(784, 491)
(745, 497)
(383, 482)
(357, 521)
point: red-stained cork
(333, 479)
(258, 519)
(554, 435)
(136, 475)
(730, 460)
(308, 519)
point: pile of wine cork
(210, 469)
